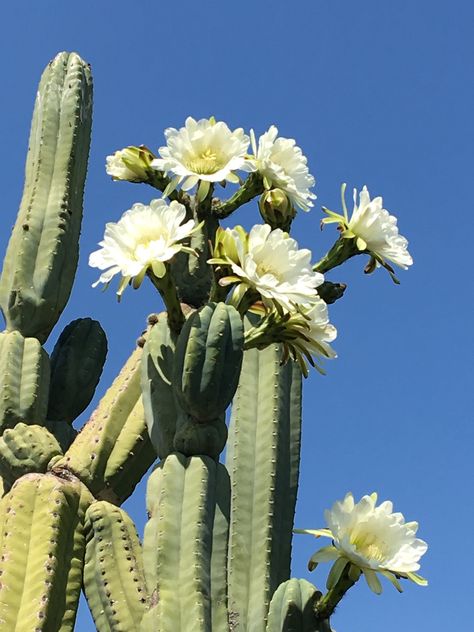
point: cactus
(25, 449)
(292, 608)
(42, 254)
(114, 581)
(76, 365)
(217, 545)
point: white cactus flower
(203, 150)
(371, 538)
(143, 239)
(376, 230)
(270, 262)
(282, 164)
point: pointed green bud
(276, 209)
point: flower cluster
(372, 539)
(266, 266)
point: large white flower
(144, 238)
(282, 164)
(270, 262)
(376, 230)
(371, 538)
(203, 150)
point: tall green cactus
(216, 554)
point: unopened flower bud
(131, 164)
(276, 209)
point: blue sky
(377, 93)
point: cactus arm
(292, 608)
(114, 581)
(157, 392)
(263, 459)
(42, 253)
(42, 552)
(97, 456)
(24, 380)
(76, 366)
(178, 543)
(25, 449)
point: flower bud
(131, 164)
(276, 209)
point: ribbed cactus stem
(42, 253)
(263, 461)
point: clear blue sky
(376, 92)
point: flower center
(147, 250)
(266, 268)
(207, 162)
(369, 546)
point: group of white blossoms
(267, 262)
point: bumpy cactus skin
(113, 450)
(24, 380)
(41, 555)
(42, 254)
(25, 449)
(178, 544)
(114, 580)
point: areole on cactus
(245, 314)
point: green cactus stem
(114, 580)
(42, 253)
(292, 608)
(208, 359)
(113, 451)
(158, 397)
(41, 553)
(179, 544)
(24, 380)
(25, 449)
(76, 366)
(263, 462)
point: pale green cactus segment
(158, 397)
(132, 455)
(24, 380)
(178, 542)
(195, 437)
(98, 453)
(25, 449)
(76, 366)
(114, 580)
(262, 459)
(42, 253)
(208, 359)
(292, 608)
(42, 552)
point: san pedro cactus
(245, 315)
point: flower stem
(168, 293)
(325, 607)
(158, 180)
(342, 250)
(252, 187)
